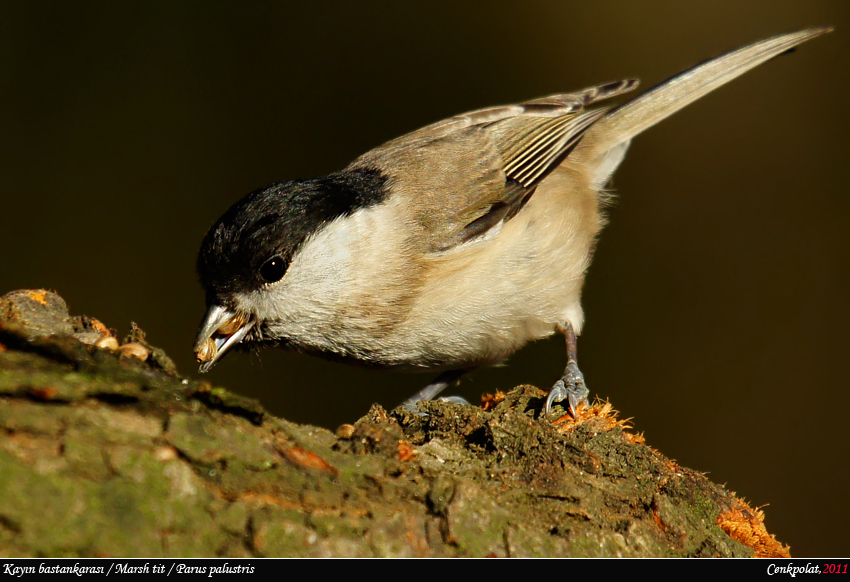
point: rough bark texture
(106, 451)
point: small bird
(449, 248)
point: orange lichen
(308, 460)
(99, 327)
(746, 525)
(44, 393)
(656, 516)
(600, 417)
(634, 438)
(489, 401)
(405, 452)
(39, 296)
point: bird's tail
(609, 137)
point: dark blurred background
(716, 307)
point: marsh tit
(449, 248)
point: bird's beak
(220, 331)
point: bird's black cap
(275, 221)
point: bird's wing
(464, 175)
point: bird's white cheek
(315, 277)
(327, 276)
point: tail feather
(625, 122)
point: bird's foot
(411, 404)
(570, 387)
(431, 391)
(455, 399)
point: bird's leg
(571, 385)
(431, 391)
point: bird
(449, 248)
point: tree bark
(109, 452)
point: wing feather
(471, 172)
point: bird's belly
(448, 339)
(479, 303)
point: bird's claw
(570, 387)
(412, 405)
(455, 399)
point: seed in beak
(232, 325)
(207, 351)
(220, 331)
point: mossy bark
(110, 453)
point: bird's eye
(273, 270)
